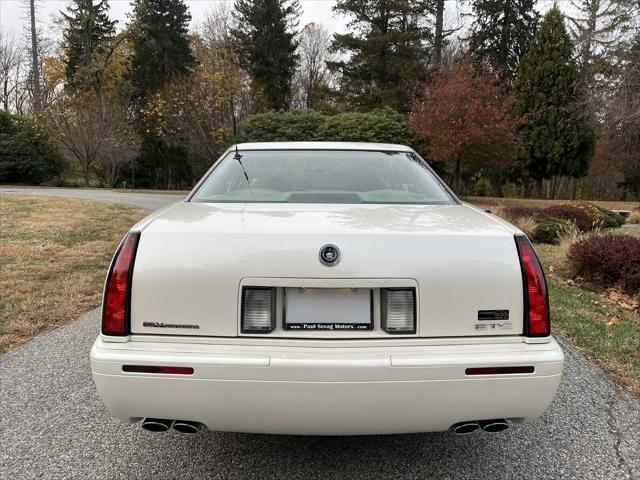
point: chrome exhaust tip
(185, 426)
(465, 428)
(494, 426)
(156, 424)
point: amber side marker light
(157, 369)
(498, 370)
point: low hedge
(549, 231)
(608, 260)
(520, 211)
(577, 215)
(611, 219)
(601, 217)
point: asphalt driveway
(150, 201)
(53, 425)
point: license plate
(328, 309)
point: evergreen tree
(502, 31)
(388, 51)
(161, 53)
(88, 31)
(558, 140)
(161, 48)
(265, 34)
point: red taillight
(537, 322)
(115, 307)
(498, 370)
(157, 369)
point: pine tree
(161, 48)
(88, 31)
(265, 33)
(388, 50)
(555, 130)
(502, 31)
(161, 52)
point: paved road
(52, 425)
(150, 201)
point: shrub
(582, 219)
(383, 126)
(297, 125)
(601, 216)
(550, 230)
(27, 155)
(608, 260)
(611, 219)
(519, 211)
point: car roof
(388, 147)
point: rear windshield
(322, 176)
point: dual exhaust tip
(190, 428)
(163, 425)
(489, 426)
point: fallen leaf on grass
(625, 301)
(613, 321)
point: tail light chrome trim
(537, 316)
(396, 302)
(116, 303)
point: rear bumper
(326, 391)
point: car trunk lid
(193, 260)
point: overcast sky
(13, 13)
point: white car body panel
(193, 259)
(327, 391)
(204, 251)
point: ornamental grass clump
(607, 260)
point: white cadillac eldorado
(325, 289)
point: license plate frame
(328, 309)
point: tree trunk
(546, 183)
(456, 178)
(34, 57)
(87, 174)
(439, 34)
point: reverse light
(117, 293)
(398, 310)
(258, 309)
(537, 318)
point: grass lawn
(536, 202)
(54, 253)
(602, 329)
